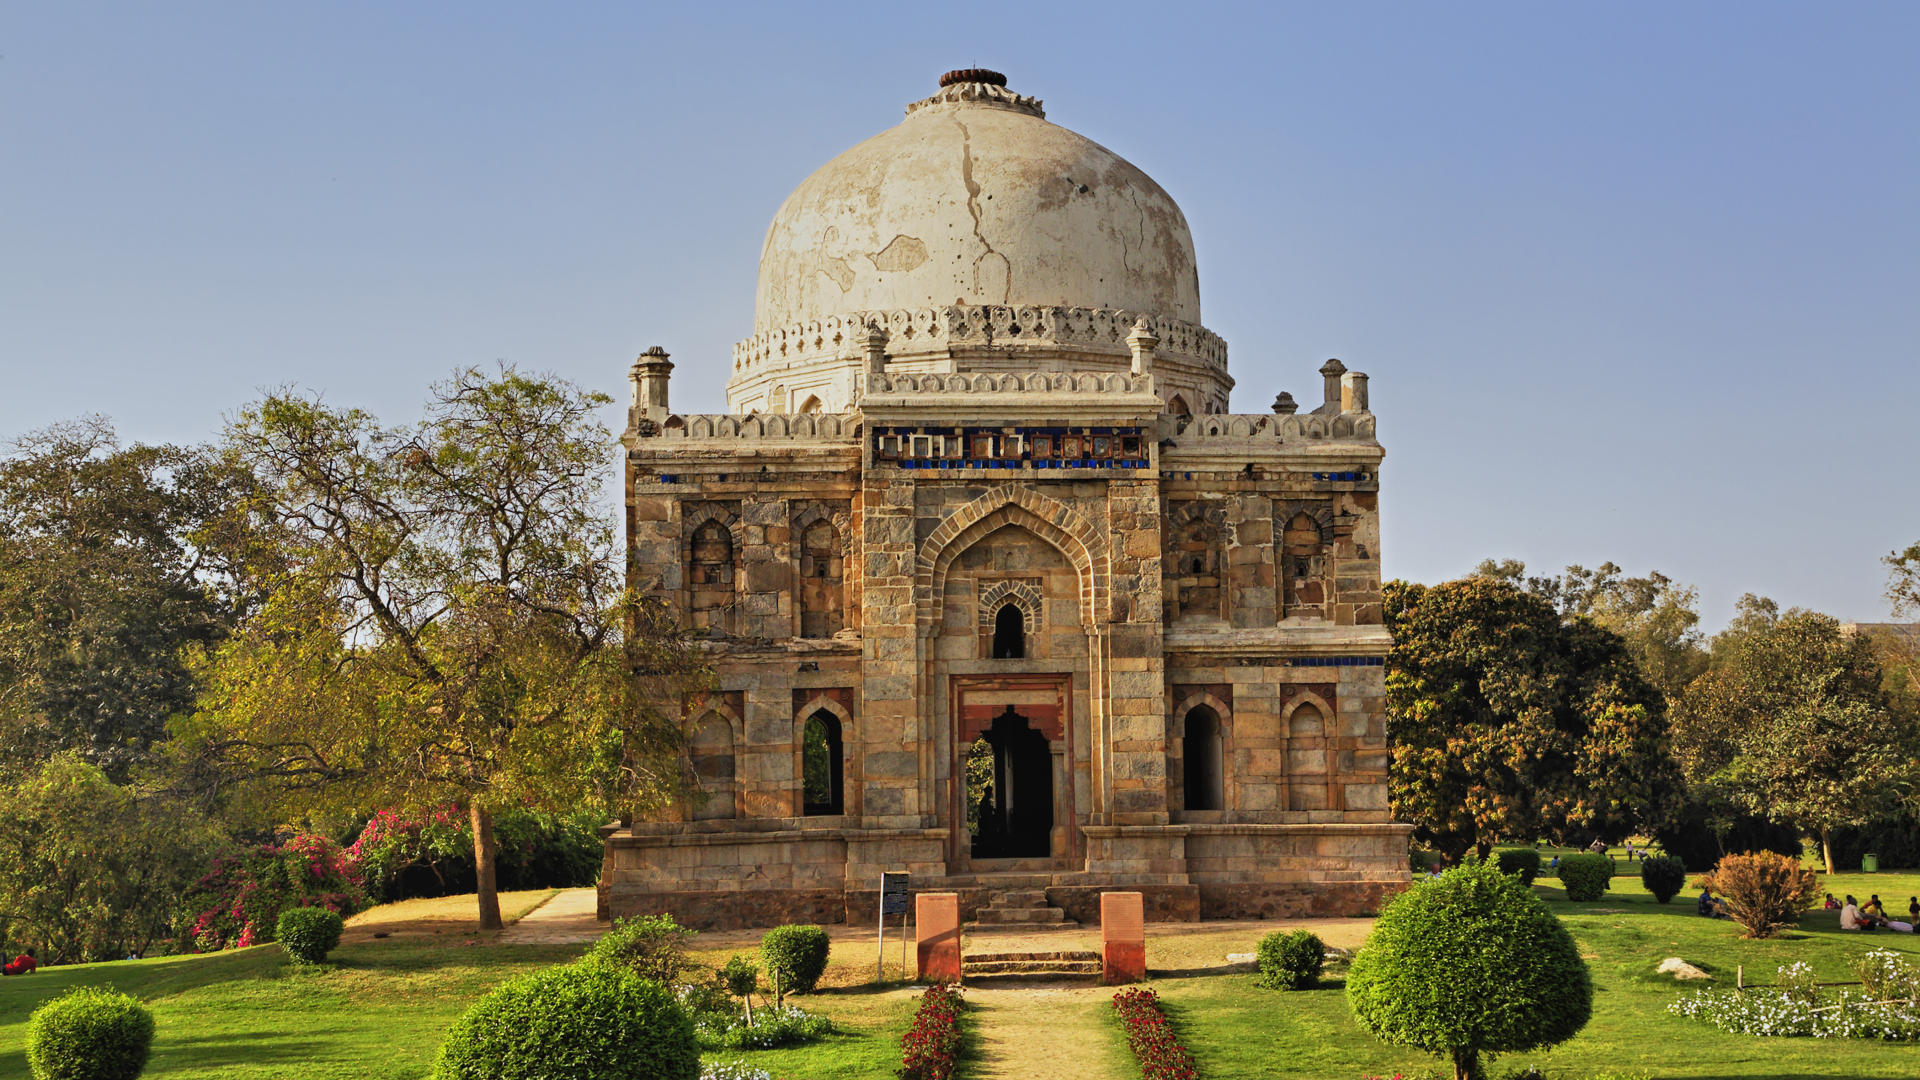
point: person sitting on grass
(1852, 918)
(21, 965)
(1913, 908)
(1710, 906)
(1830, 904)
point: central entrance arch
(1010, 791)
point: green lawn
(377, 1013)
(380, 1012)
(1238, 1030)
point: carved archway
(1053, 521)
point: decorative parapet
(934, 329)
(980, 93)
(1229, 427)
(818, 427)
(987, 382)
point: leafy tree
(1903, 582)
(1468, 965)
(1791, 722)
(446, 622)
(88, 869)
(1506, 720)
(1657, 617)
(104, 586)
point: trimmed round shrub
(650, 946)
(1664, 876)
(1469, 964)
(795, 957)
(1523, 861)
(1585, 877)
(308, 933)
(89, 1034)
(575, 1022)
(1290, 961)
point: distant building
(999, 591)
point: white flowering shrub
(772, 1027)
(1796, 983)
(1789, 1012)
(1888, 974)
(732, 1070)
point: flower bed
(930, 1050)
(1151, 1037)
(1795, 1007)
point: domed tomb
(979, 237)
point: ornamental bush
(238, 901)
(1663, 875)
(89, 1034)
(576, 1022)
(1523, 861)
(1585, 877)
(768, 1029)
(1290, 961)
(1471, 963)
(795, 958)
(309, 933)
(1763, 891)
(651, 946)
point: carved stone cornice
(931, 330)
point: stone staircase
(1070, 964)
(1023, 909)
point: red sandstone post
(1123, 938)
(936, 919)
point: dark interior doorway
(1010, 791)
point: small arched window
(1009, 633)
(710, 576)
(1178, 406)
(811, 405)
(821, 758)
(1200, 749)
(822, 585)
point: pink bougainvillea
(239, 899)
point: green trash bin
(1869, 864)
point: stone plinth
(936, 918)
(1123, 937)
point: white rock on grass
(1680, 969)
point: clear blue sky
(1634, 281)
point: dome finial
(972, 75)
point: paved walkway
(567, 919)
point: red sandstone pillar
(1123, 938)
(936, 923)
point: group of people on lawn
(1872, 915)
(1853, 915)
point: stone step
(1075, 955)
(1031, 968)
(988, 916)
(1016, 898)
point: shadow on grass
(237, 1048)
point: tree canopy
(105, 586)
(1507, 721)
(1792, 722)
(446, 620)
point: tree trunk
(1826, 849)
(1466, 1065)
(485, 879)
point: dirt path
(1043, 1033)
(567, 919)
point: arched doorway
(1201, 757)
(1010, 791)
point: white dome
(975, 199)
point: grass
(1236, 1029)
(378, 1012)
